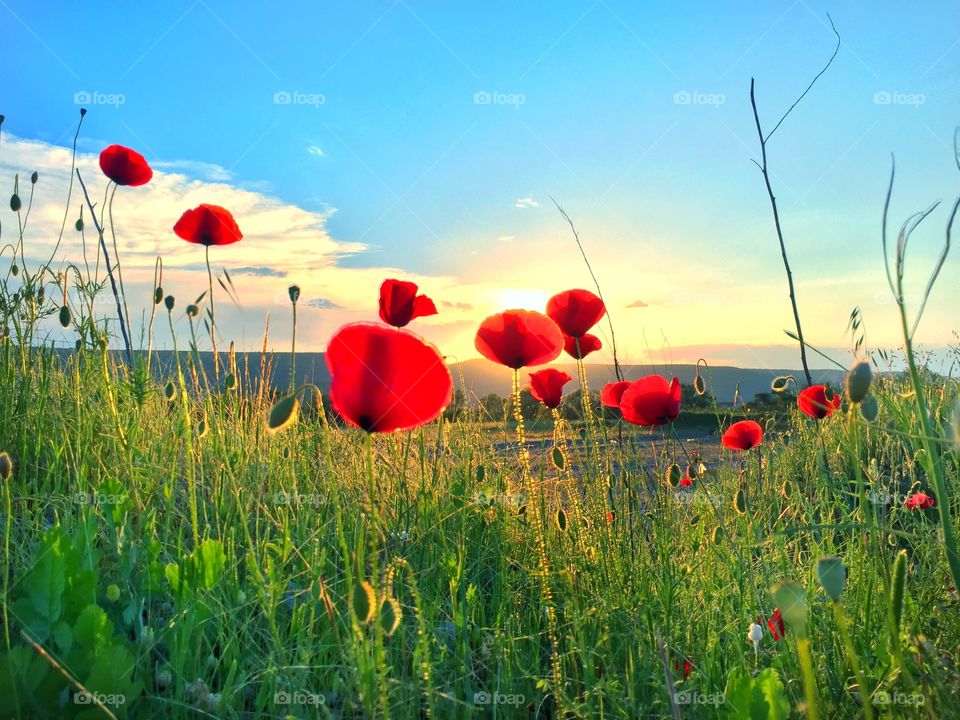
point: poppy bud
(83, 111)
(169, 391)
(562, 520)
(558, 459)
(79, 224)
(164, 678)
(364, 602)
(294, 292)
(390, 616)
(65, 316)
(6, 466)
(283, 414)
(169, 301)
(869, 408)
(755, 635)
(740, 502)
(113, 593)
(698, 385)
(193, 310)
(791, 598)
(858, 382)
(34, 178)
(780, 384)
(158, 295)
(78, 345)
(15, 203)
(717, 535)
(14, 270)
(832, 575)
(673, 475)
(41, 295)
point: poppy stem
(106, 260)
(521, 434)
(213, 321)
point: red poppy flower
(651, 400)
(399, 303)
(687, 667)
(384, 380)
(687, 479)
(919, 501)
(547, 386)
(519, 338)
(611, 517)
(208, 225)
(575, 311)
(813, 401)
(775, 623)
(743, 435)
(611, 393)
(588, 344)
(125, 166)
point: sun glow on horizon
(522, 299)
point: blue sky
(429, 137)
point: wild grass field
(190, 542)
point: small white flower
(755, 635)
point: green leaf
(758, 698)
(211, 560)
(93, 628)
(769, 684)
(832, 576)
(558, 460)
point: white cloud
(526, 202)
(316, 150)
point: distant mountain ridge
(481, 377)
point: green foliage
(755, 698)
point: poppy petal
(519, 338)
(125, 166)
(208, 225)
(546, 386)
(575, 311)
(383, 380)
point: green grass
(106, 576)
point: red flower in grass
(399, 303)
(775, 623)
(743, 435)
(575, 311)
(384, 380)
(208, 225)
(651, 400)
(611, 393)
(687, 479)
(587, 344)
(519, 338)
(125, 166)
(687, 667)
(813, 401)
(919, 501)
(547, 386)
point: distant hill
(482, 377)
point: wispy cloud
(323, 304)
(526, 202)
(638, 304)
(316, 150)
